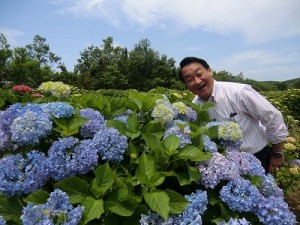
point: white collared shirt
(260, 121)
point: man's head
(197, 76)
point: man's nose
(197, 80)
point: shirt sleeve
(257, 106)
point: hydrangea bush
(137, 160)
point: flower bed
(137, 160)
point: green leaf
(145, 169)
(154, 143)
(133, 123)
(122, 203)
(37, 197)
(69, 126)
(177, 201)
(76, 188)
(159, 202)
(104, 179)
(172, 143)
(117, 124)
(11, 208)
(193, 153)
(93, 209)
(132, 135)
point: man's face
(198, 79)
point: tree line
(104, 67)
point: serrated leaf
(122, 203)
(117, 124)
(177, 201)
(171, 142)
(11, 208)
(159, 202)
(37, 197)
(76, 188)
(193, 153)
(93, 209)
(103, 181)
(133, 123)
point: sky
(259, 38)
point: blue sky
(259, 38)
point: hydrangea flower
(110, 144)
(21, 89)
(68, 156)
(96, 122)
(217, 169)
(58, 109)
(57, 209)
(163, 112)
(274, 211)
(181, 130)
(209, 145)
(233, 221)
(2, 221)
(197, 205)
(5, 138)
(185, 112)
(20, 175)
(123, 117)
(230, 133)
(57, 89)
(240, 195)
(269, 187)
(30, 127)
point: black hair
(188, 60)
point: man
(262, 124)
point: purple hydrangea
(110, 144)
(181, 130)
(96, 122)
(20, 175)
(217, 169)
(57, 207)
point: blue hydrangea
(181, 130)
(274, 211)
(5, 138)
(2, 221)
(216, 170)
(240, 195)
(269, 187)
(20, 175)
(58, 109)
(96, 122)
(209, 145)
(197, 205)
(30, 127)
(110, 144)
(57, 207)
(151, 219)
(255, 167)
(123, 117)
(68, 156)
(233, 221)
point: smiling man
(262, 124)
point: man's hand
(275, 163)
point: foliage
(131, 159)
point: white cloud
(11, 35)
(258, 21)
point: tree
(105, 67)
(5, 57)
